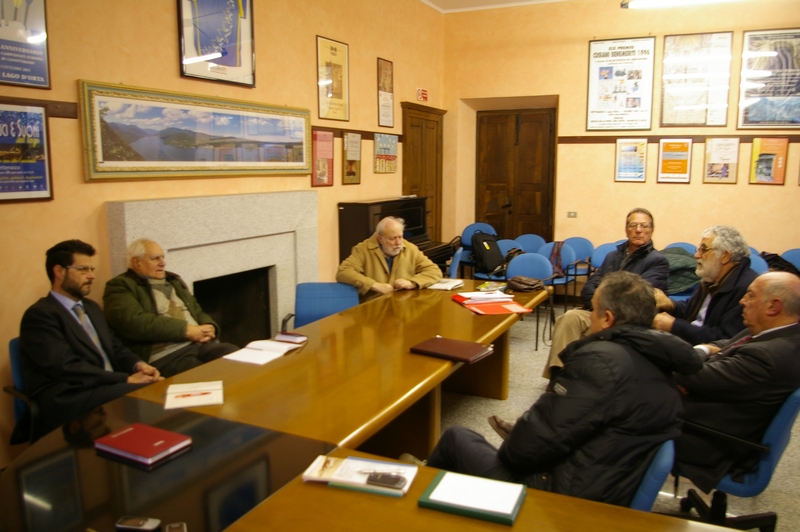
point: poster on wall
(23, 44)
(24, 158)
(768, 161)
(769, 97)
(351, 160)
(674, 160)
(631, 160)
(620, 84)
(722, 160)
(695, 80)
(322, 146)
(385, 154)
(333, 79)
(385, 93)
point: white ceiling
(452, 6)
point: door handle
(507, 205)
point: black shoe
(503, 428)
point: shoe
(411, 459)
(503, 428)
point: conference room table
(314, 506)
(355, 382)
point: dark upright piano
(357, 222)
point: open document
(261, 351)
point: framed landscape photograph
(132, 132)
(216, 41)
(24, 154)
(333, 84)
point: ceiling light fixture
(656, 4)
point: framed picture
(768, 161)
(132, 132)
(52, 493)
(620, 84)
(333, 84)
(23, 40)
(385, 93)
(351, 159)
(769, 95)
(385, 154)
(216, 41)
(695, 80)
(24, 154)
(674, 160)
(722, 160)
(631, 160)
(234, 497)
(322, 143)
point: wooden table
(356, 375)
(334, 509)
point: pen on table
(386, 471)
(193, 394)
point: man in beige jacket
(386, 262)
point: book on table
(142, 443)
(491, 286)
(477, 298)
(194, 394)
(498, 307)
(481, 498)
(447, 284)
(292, 338)
(456, 350)
(362, 474)
(261, 351)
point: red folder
(142, 443)
(508, 307)
(456, 350)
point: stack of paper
(388, 478)
(477, 298)
(490, 302)
(261, 351)
(447, 284)
(194, 394)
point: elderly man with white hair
(157, 317)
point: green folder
(504, 518)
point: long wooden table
(355, 383)
(312, 506)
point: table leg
(486, 378)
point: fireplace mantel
(211, 236)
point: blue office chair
(452, 270)
(538, 267)
(654, 477)
(599, 254)
(753, 251)
(26, 410)
(583, 248)
(314, 301)
(758, 264)
(466, 239)
(774, 442)
(691, 248)
(567, 263)
(504, 245)
(530, 243)
(793, 256)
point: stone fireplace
(213, 236)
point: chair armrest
(16, 393)
(744, 443)
(285, 321)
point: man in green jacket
(386, 262)
(157, 317)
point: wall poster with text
(23, 44)
(631, 160)
(722, 160)
(322, 147)
(674, 160)
(24, 158)
(620, 84)
(768, 161)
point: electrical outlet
(572, 214)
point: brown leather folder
(456, 350)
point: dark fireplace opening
(239, 303)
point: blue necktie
(87, 326)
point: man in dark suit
(71, 361)
(743, 383)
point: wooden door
(422, 160)
(515, 173)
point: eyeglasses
(702, 249)
(633, 225)
(83, 269)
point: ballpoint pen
(193, 394)
(386, 471)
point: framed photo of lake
(138, 133)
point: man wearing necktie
(744, 381)
(713, 312)
(71, 361)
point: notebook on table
(456, 350)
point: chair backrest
(691, 248)
(654, 477)
(600, 252)
(567, 255)
(753, 251)
(466, 235)
(758, 264)
(583, 247)
(452, 271)
(16, 377)
(530, 265)
(530, 243)
(506, 244)
(776, 438)
(793, 256)
(314, 301)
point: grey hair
(642, 211)
(629, 298)
(728, 239)
(382, 224)
(783, 286)
(137, 248)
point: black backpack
(485, 253)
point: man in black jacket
(713, 312)
(611, 407)
(636, 255)
(743, 382)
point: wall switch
(572, 214)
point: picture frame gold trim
(163, 134)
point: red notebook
(456, 350)
(509, 307)
(142, 443)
